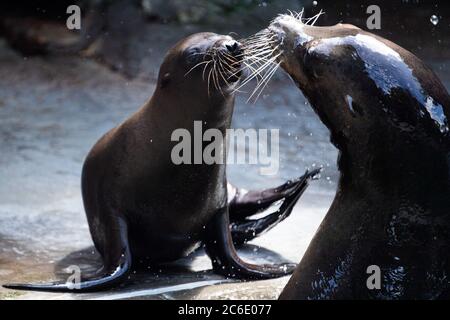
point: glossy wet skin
(387, 114)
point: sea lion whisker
(267, 80)
(263, 79)
(266, 51)
(261, 69)
(257, 46)
(266, 61)
(258, 41)
(256, 65)
(256, 50)
(245, 65)
(317, 17)
(204, 69)
(209, 80)
(261, 41)
(257, 62)
(232, 71)
(221, 73)
(194, 67)
(229, 58)
(314, 18)
(259, 59)
(215, 78)
(223, 63)
(218, 83)
(213, 75)
(264, 44)
(257, 36)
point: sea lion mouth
(288, 30)
(231, 55)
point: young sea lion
(142, 206)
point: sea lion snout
(233, 46)
(231, 54)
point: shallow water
(52, 110)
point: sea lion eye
(193, 54)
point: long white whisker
(197, 65)
(204, 69)
(270, 75)
(209, 80)
(317, 17)
(264, 66)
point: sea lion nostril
(232, 46)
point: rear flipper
(119, 267)
(244, 229)
(245, 204)
(225, 261)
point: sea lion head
(387, 114)
(366, 90)
(206, 66)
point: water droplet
(434, 19)
(314, 3)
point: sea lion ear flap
(165, 80)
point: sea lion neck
(214, 111)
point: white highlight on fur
(289, 25)
(386, 68)
(349, 103)
(436, 112)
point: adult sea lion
(142, 206)
(387, 113)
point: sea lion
(387, 113)
(142, 206)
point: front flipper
(120, 264)
(219, 247)
(246, 229)
(245, 204)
